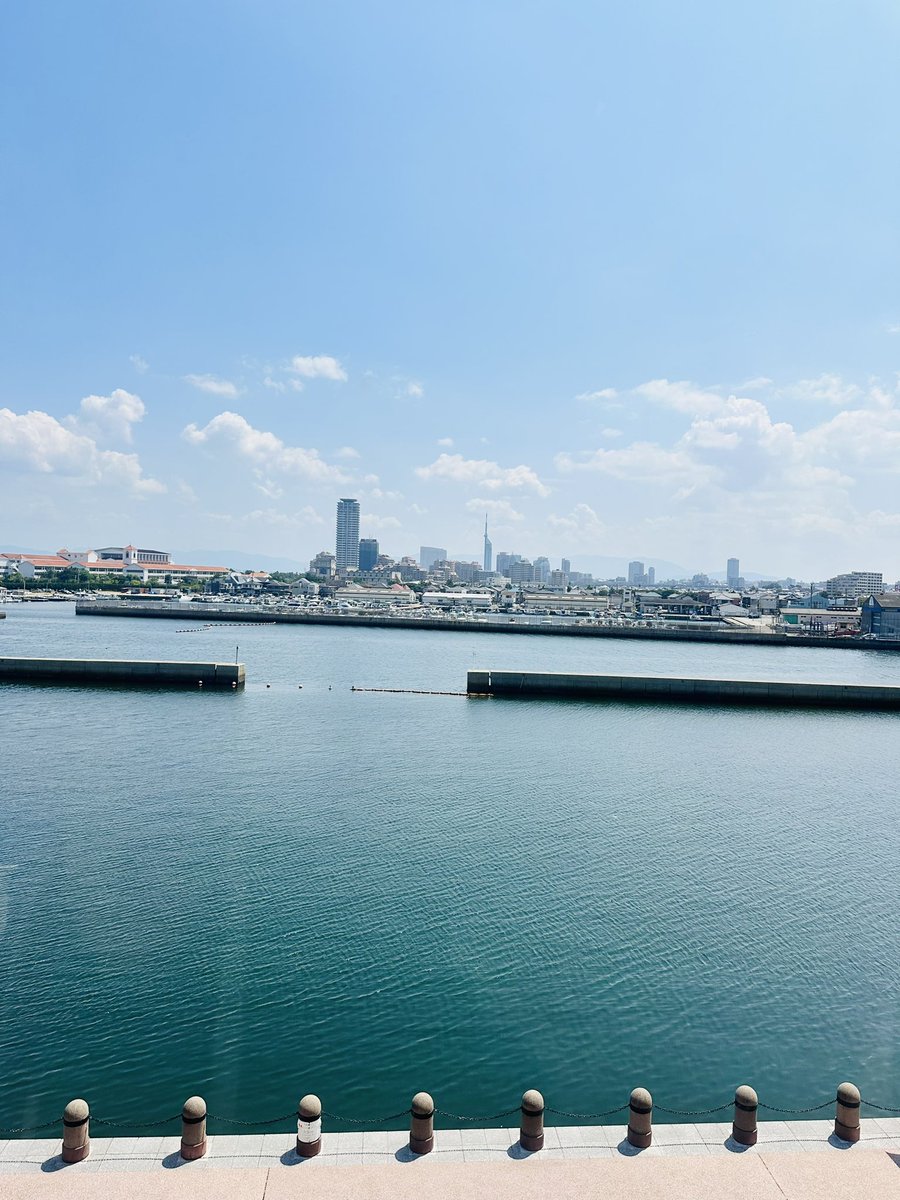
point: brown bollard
(76, 1143)
(531, 1129)
(746, 1102)
(309, 1126)
(193, 1128)
(846, 1115)
(421, 1125)
(640, 1119)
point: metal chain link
(33, 1128)
(404, 1112)
(265, 1120)
(561, 1112)
(795, 1111)
(882, 1107)
(494, 1117)
(136, 1124)
(692, 1112)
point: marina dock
(122, 673)
(662, 688)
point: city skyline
(550, 304)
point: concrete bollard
(640, 1119)
(421, 1125)
(531, 1129)
(846, 1114)
(193, 1128)
(746, 1103)
(76, 1143)
(309, 1126)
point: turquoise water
(283, 890)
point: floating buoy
(268, 685)
(299, 687)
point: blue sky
(626, 276)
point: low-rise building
(880, 615)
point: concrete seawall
(121, 673)
(525, 684)
(252, 614)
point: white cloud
(593, 397)
(269, 517)
(682, 396)
(611, 433)
(582, 522)
(108, 416)
(140, 364)
(825, 389)
(263, 449)
(318, 366)
(276, 385)
(895, 328)
(37, 443)
(348, 452)
(372, 523)
(415, 389)
(453, 468)
(214, 385)
(644, 462)
(500, 510)
(447, 441)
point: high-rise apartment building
(636, 574)
(541, 569)
(347, 535)
(565, 566)
(429, 555)
(368, 553)
(651, 576)
(855, 584)
(488, 548)
(505, 561)
(733, 573)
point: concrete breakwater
(274, 614)
(122, 673)
(564, 686)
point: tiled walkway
(702, 1157)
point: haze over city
(306, 254)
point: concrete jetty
(559, 685)
(272, 614)
(122, 672)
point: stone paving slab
(874, 1175)
(159, 1155)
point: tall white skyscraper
(347, 536)
(488, 548)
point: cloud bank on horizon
(619, 324)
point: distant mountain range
(241, 560)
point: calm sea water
(283, 890)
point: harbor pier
(122, 672)
(643, 688)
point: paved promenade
(794, 1160)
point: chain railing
(372, 1122)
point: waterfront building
(636, 574)
(323, 564)
(458, 599)
(365, 595)
(488, 550)
(368, 553)
(855, 584)
(127, 561)
(733, 573)
(880, 615)
(347, 535)
(429, 555)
